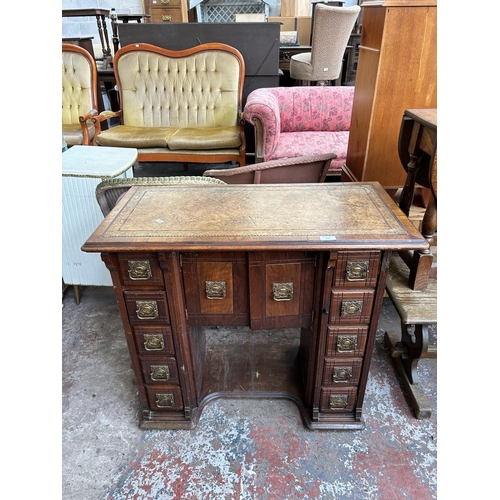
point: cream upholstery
(178, 105)
(331, 31)
(79, 94)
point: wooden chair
(288, 170)
(412, 278)
(79, 95)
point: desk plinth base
(251, 371)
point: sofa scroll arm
(84, 124)
(98, 119)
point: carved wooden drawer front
(342, 372)
(140, 271)
(346, 341)
(159, 370)
(164, 398)
(351, 307)
(356, 269)
(337, 400)
(281, 289)
(154, 340)
(147, 308)
(216, 286)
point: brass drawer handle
(351, 308)
(342, 373)
(164, 400)
(139, 270)
(165, 2)
(338, 402)
(153, 342)
(166, 18)
(356, 270)
(347, 343)
(215, 290)
(146, 309)
(282, 291)
(159, 372)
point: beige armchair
(79, 95)
(178, 106)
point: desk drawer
(147, 308)
(159, 370)
(342, 372)
(154, 340)
(356, 269)
(140, 271)
(337, 400)
(351, 307)
(346, 341)
(164, 398)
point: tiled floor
(240, 449)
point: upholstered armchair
(178, 106)
(79, 95)
(301, 121)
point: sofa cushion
(293, 144)
(205, 138)
(135, 137)
(73, 133)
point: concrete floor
(240, 449)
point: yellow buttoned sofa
(178, 106)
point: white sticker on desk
(327, 238)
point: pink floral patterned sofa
(301, 121)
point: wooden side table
(83, 167)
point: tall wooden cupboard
(397, 70)
(167, 11)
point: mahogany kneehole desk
(308, 256)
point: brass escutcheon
(347, 343)
(338, 401)
(342, 373)
(215, 290)
(282, 291)
(159, 372)
(164, 400)
(153, 342)
(166, 18)
(146, 309)
(139, 270)
(165, 2)
(351, 308)
(357, 270)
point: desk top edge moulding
(309, 258)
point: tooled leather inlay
(344, 211)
